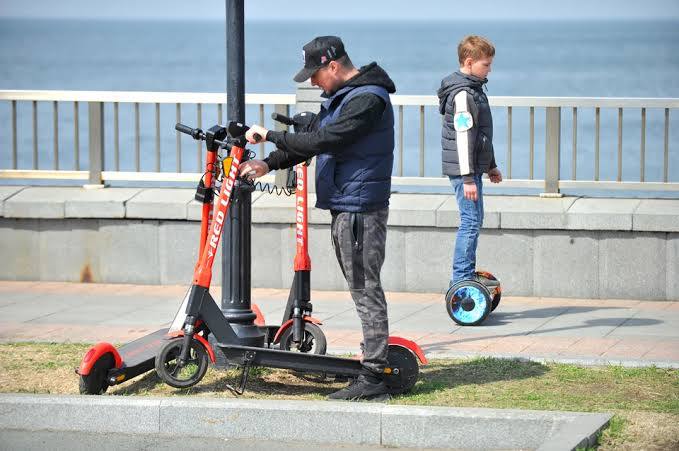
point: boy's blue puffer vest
(358, 178)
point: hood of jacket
(455, 82)
(371, 74)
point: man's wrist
(273, 136)
(267, 161)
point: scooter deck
(274, 358)
(139, 355)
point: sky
(350, 9)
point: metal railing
(553, 107)
(96, 101)
(550, 158)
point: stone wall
(563, 247)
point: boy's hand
(256, 129)
(470, 192)
(495, 175)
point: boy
(467, 142)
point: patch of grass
(481, 382)
(645, 400)
(497, 383)
(613, 435)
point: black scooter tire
(405, 361)
(95, 383)
(497, 297)
(310, 329)
(496, 301)
(167, 368)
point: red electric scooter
(182, 353)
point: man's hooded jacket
(353, 136)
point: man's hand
(256, 129)
(253, 169)
(470, 192)
(495, 175)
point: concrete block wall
(567, 247)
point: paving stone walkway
(629, 332)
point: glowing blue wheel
(468, 303)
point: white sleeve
(463, 122)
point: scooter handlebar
(195, 133)
(283, 119)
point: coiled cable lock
(205, 195)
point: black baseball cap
(318, 53)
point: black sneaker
(363, 387)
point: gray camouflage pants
(359, 240)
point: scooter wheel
(402, 370)
(468, 303)
(497, 296)
(313, 341)
(95, 383)
(496, 301)
(186, 375)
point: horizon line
(361, 20)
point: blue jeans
(471, 220)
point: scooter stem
(302, 260)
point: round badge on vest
(463, 121)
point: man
(353, 139)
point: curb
(325, 422)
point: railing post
(308, 98)
(96, 141)
(281, 179)
(552, 151)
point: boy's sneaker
(368, 387)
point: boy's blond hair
(474, 47)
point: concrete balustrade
(557, 247)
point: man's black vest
(358, 178)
